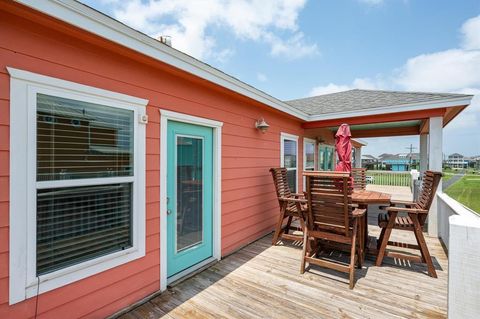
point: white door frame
(165, 116)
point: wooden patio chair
(415, 215)
(331, 217)
(359, 178)
(292, 206)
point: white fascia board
(86, 18)
(392, 109)
(360, 141)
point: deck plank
(263, 281)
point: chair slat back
(280, 180)
(430, 182)
(359, 178)
(329, 202)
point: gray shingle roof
(365, 99)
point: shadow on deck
(263, 281)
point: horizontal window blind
(76, 224)
(289, 153)
(77, 139)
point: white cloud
(262, 77)
(449, 70)
(189, 23)
(471, 34)
(456, 70)
(358, 83)
(293, 48)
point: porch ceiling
(384, 129)
(388, 124)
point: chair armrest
(294, 200)
(298, 195)
(406, 210)
(358, 212)
(407, 204)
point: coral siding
(33, 42)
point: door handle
(169, 211)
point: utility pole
(411, 148)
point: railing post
(435, 157)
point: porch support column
(435, 158)
(423, 153)
(358, 157)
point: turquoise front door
(189, 195)
(326, 156)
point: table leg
(364, 242)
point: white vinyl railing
(391, 178)
(459, 229)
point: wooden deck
(263, 281)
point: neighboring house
(126, 165)
(476, 162)
(457, 160)
(399, 162)
(368, 161)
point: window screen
(82, 141)
(75, 224)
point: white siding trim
(166, 116)
(22, 278)
(392, 109)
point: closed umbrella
(343, 148)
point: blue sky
(298, 48)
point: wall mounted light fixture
(261, 125)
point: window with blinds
(289, 161)
(89, 217)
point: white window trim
(289, 137)
(306, 141)
(24, 85)
(166, 116)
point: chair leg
(361, 242)
(289, 223)
(386, 237)
(353, 253)
(380, 239)
(304, 251)
(278, 229)
(423, 246)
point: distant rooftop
(356, 99)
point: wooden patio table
(363, 198)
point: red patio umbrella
(343, 148)
(344, 151)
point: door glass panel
(321, 159)
(189, 192)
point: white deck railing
(459, 229)
(390, 178)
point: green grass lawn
(467, 191)
(447, 176)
